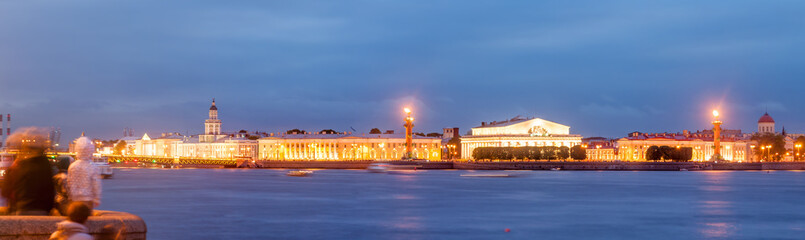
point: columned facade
(345, 147)
(518, 132)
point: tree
(295, 131)
(666, 152)
(549, 152)
(433, 134)
(253, 137)
(520, 153)
(419, 134)
(454, 148)
(764, 140)
(375, 131)
(119, 147)
(578, 153)
(534, 153)
(653, 153)
(328, 131)
(563, 152)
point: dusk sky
(604, 68)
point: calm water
(351, 204)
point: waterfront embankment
(509, 165)
(346, 164)
(40, 227)
(627, 166)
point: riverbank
(513, 165)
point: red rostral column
(409, 125)
(716, 137)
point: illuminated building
(633, 148)
(600, 149)
(346, 146)
(765, 124)
(212, 126)
(518, 132)
(210, 145)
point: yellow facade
(734, 151)
(337, 147)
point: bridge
(174, 161)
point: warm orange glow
(407, 110)
(715, 113)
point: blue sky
(605, 68)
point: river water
(353, 204)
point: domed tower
(765, 124)
(212, 126)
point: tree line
(530, 153)
(681, 154)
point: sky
(604, 68)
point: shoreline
(509, 165)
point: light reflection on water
(353, 204)
(717, 205)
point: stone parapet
(40, 227)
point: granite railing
(41, 227)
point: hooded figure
(28, 186)
(83, 178)
(73, 228)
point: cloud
(616, 110)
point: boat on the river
(393, 167)
(556, 168)
(488, 175)
(378, 168)
(102, 163)
(299, 173)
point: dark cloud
(604, 68)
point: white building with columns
(517, 132)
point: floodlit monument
(518, 132)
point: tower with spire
(212, 126)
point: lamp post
(716, 137)
(798, 146)
(409, 125)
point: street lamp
(797, 153)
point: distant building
(600, 148)
(633, 148)
(518, 131)
(448, 133)
(345, 146)
(212, 126)
(213, 144)
(765, 124)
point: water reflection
(717, 207)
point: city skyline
(605, 70)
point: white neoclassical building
(213, 144)
(517, 132)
